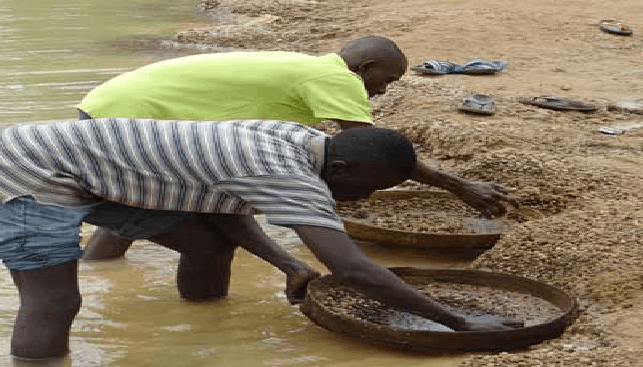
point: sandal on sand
(473, 67)
(436, 67)
(480, 66)
(478, 103)
(557, 103)
(627, 106)
(621, 128)
(615, 27)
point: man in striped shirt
(165, 180)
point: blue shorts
(136, 223)
(33, 236)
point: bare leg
(207, 248)
(245, 231)
(104, 245)
(204, 277)
(49, 301)
(206, 258)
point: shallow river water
(53, 52)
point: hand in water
(297, 281)
(491, 323)
(487, 198)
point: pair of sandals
(481, 104)
(485, 105)
(473, 67)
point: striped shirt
(241, 167)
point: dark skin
(354, 182)
(380, 68)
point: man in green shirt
(268, 85)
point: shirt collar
(317, 147)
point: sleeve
(288, 201)
(340, 96)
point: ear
(336, 167)
(364, 66)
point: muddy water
(131, 316)
(53, 52)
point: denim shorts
(33, 236)
(136, 223)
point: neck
(327, 153)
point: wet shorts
(136, 223)
(33, 236)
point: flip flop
(478, 103)
(628, 106)
(615, 27)
(621, 128)
(436, 67)
(480, 66)
(473, 67)
(557, 103)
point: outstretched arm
(485, 197)
(344, 259)
(482, 196)
(243, 230)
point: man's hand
(482, 196)
(490, 323)
(297, 281)
(486, 197)
(245, 231)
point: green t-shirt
(237, 85)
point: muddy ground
(586, 183)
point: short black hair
(373, 45)
(385, 147)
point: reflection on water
(51, 54)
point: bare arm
(351, 124)
(484, 197)
(344, 259)
(244, 231)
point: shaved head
(372, 48)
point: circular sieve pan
(376, 234)
(440, 341)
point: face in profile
(359, 182)
(376, 76)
